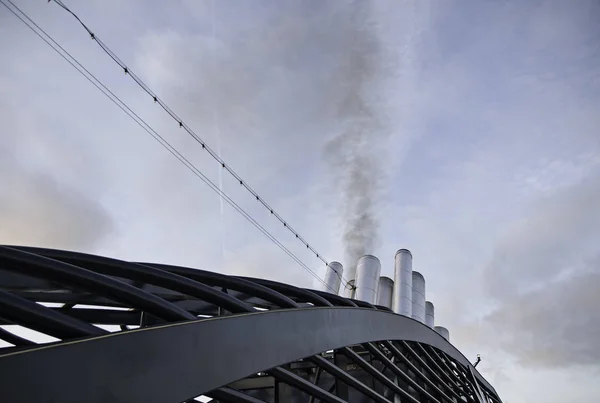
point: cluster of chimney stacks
(405, 294)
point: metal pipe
(442, 331)
(418, 296)
(429, 314)
(367, 278)
(402, 296)
(385, 292)
(333, 277)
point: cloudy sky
(466, 131)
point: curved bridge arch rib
(142, 332)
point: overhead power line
(25, 19)
(195, 136)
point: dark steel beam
(295, 292)
(230, 282)
(478, 391)
(83, 279)
(376, 374)
(362, 304)
(388, 363)
(424, 364)
(144, 274)
(452, 371)
(302, 384)
(316, 382)
(45, 320)
(254, 382)
(383, 308)
(14, 339)
(398, 355)
(347, 378)
(102, 316)
(335, 300)
(229, 395)
(66, 297)
(449, 379)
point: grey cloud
(559, 232)
(312, 74)
(37, 210)
(545, 275)
(556, 326)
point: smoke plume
(352, 153)
(310, 68)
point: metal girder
(336, 300)
(398, 355)
(287, 289)
(42, 319)
(175, 356)
(83, 279)
(294, 380)
(229, 395)
(231, 283)
(417, 357)
(14, 339)
(377, 375)
(145, 274)
(388, 363)
(347, 379)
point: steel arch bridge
(144, 332)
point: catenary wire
(127, 110)
(195, 136)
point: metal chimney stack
(443, 332)
(367, 278)
(333, 277)
(402, 298)
(429, 314)
(385, 292)
(418, 296)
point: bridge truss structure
(144, 332)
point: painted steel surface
(186, 332)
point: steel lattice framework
(181, 333)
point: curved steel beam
(42, 319)
(362, 304)
(233, 283)
(296, 292)
(335, 300)
(145, 273)
(183, 355)
(75, 276)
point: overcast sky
(465, 131)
